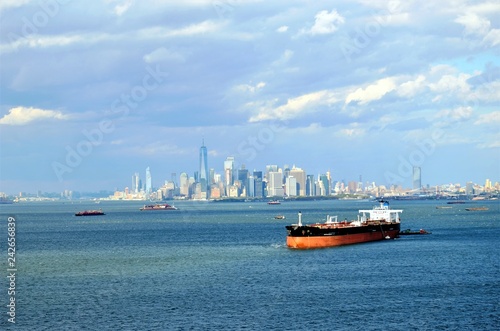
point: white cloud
(6, 4)
(326, 22)
(162, 54)
(247, 88)
(24, 115)
(150, 33)
(473, 24)
(294, 107)
(282, 29)
(120, 9)
(486, 92)
(353, 131)
(412, 87)
(372, 92)
(477, 26)
(457, 114)
(452, 83)
(492, 38)
(491, 118)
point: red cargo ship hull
(340, 240)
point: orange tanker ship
(380, 223)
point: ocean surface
(225, 266)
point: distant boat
(443, 207)
(165, 206)
(90, 213)
(455, 202)
(274, 202)
(410, 232)
(5, 201)
(279, 217)
(476, 208)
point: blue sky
(93, 91)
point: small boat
(165, 206)
(476, 208)
(90, 213)
(408, 232)
(443, 207)
(455, 202)
(5, 201)
(279, 217)
(274, 202)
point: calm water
(216, 266)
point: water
(218, 266)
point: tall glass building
(149, 185)
(136, 183)
(203, 176)
(417, 178)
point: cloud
(457, 114)
(282, 29)
(476, 26)
(353, 131)
(24, 115)
(372, 92)
(452, 83)
(6, 4)
(287, 55)
(120, 9)
(139, 35)
(294, 107)
(473, 24)
(163, 55)
(247, 88)
(491, 118)
(326, 23)
(412, 87)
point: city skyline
(276, 181)
(230, 170)
(93, 92)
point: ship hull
(321, 238)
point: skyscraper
(184, 184)
(300, 176)
(310, 186)
(275, 184)
(259, 188)
(291, 186)
(228, 170)
(243, 178)
(203, 168)
(136, 183)
(417, 180)
(148, 181)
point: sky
(93, 91)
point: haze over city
(92, 92)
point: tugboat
(90, 213)
(477, 208)
(409, 232)
(380, 223)
(165, 206)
